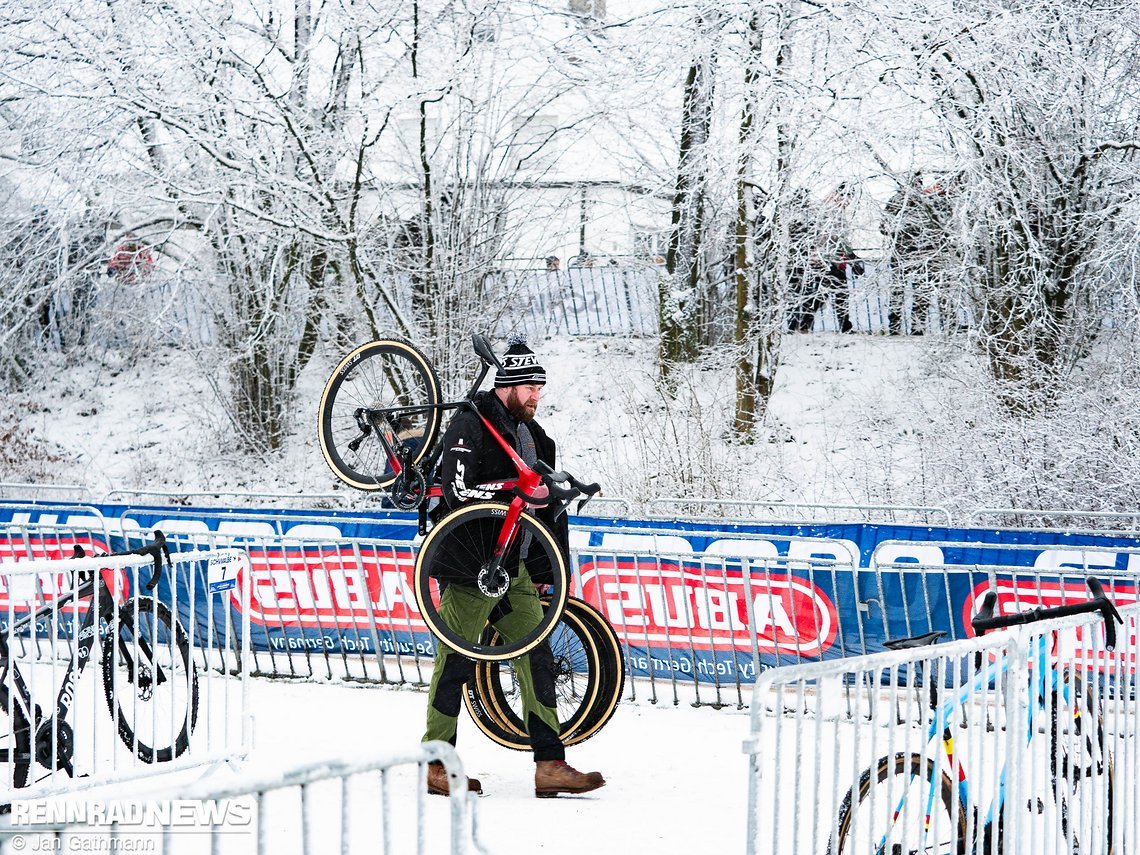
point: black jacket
(474, 464)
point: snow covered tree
(257, 148)
(1036, 103)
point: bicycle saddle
(914, 641)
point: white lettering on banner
(246, 528)
(1059, 559)
(21, 590)
(743, 548)
(660, 602)
(314, 531)
(176, 526)
(917, 553)
(662, 544)
(810, 549)
(397, 591)
(627, 606)
(331, 587)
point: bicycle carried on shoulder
(923, 802)
(149, 679)
(379, 429)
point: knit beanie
(520, 365)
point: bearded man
(473, 467)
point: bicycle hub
(493, 581)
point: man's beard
(522, 412)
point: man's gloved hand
(539, 492)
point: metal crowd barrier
(1106, 522)
(740, 510)
(344, 609)
(1022, 741)
(153, 681)
(700, 627)
(233, 525)
(603, 300)
(377, 805)
(694, 626)
(257, 499)
(49, 513)
(21, 490)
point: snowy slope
(840, 427)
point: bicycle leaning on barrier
(379, 429)
(149, 679)
(923, 802)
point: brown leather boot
(437, 783)
(552, 777)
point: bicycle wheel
(1081, 769)
(612, 661)
(150, 681)
(459, 547)
(16, 738)
(887, 812)
(380, 375)
(493, 697)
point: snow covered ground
(676, 780)
(842, 429)
(677, 775)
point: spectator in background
(804, 266)
(837, 254)
(821, 258)
(582, 259)
(131, 261)
(915, 223)
(553, 262)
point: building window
(650, 245)
(533, 142)
(485, 27)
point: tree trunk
(679, 289)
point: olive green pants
(467, 611)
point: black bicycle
(149, 679)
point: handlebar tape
(156, 549)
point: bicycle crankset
(409, 489)
(61, 751)
(493, 581)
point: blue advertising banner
(689, 600)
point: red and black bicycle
(379, 429)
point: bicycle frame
(940, 726)
(96, 588)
